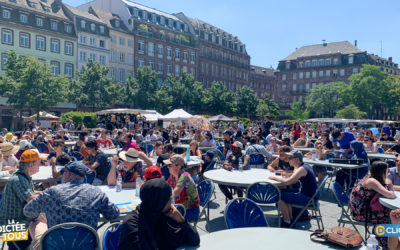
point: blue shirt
(73, 201)
(346, 139)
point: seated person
(152, 172)
(344, 139)
(302, 142)
(96, 161)
(394, 150)
(129, 143)
(273, 146)
(58, 146)
(386, 137)
(23, 145)
(61, 160)
(370, 146)
(304, 174)
(185, 191)
(393, 242)
(209, 162)
(233, 160)
(156, 223)
(255, 148)
(394, 175)
(208, 141)
(72, 201)
(129, 169)
(281, 163)
(320, 153)
(104, 141)
(9, 162)
(157, 151)
(194, 151)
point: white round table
(44, 175)
(126, 195)
(259, 238)
(110, 152)
(382, 156)
(391, 203)
(240, 179)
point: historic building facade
(262, 80)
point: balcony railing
(190, 41)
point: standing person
(156, 223)
(96, 161)
(267, 125)
(304, 174)
(18, 191)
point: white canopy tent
(176, 117)
(153, 117)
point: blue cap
(76, 167)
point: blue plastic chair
(381, 151)
(149, 148)
(205, 190)
(110, 237)
(243, 212)
(264, 193)
(90, 177)
(181, 208)
(256, 159)
(70, 236)
(78, 156)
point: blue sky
(272, 30)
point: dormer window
(117, 23)
(39, 21)
(351, 59)
(92, 27)
(33, 5)
(102, 29)
(23, 18)
(144, 15)
(6, 14)
(46, 8)
(53, 25)
(83, 24)
(162, 20)
(68, 28)
(170, 23)
(153, 18)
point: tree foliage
(219, 100)
(267, 106)
(297, 111)
(246, 102)
(351, 112)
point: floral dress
(189, 196)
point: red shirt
(104, 142)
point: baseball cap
(152, 172)
(237, 144)
(76, 167)
(295, 153)
(31, 155)
(175, 159)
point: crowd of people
(151, 153)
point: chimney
(390, 59)
(355, 43)
(324, 42)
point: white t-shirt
(11, 161)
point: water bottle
(240, 165)
(119, 182)
(187, 154)
(314, 156)
(139, 183)
(372, 243)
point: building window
(300, 75)
(169, 53)
(141, 47)
(69, 69)
(160, 50)
(112, 39)
(151, 64)
(294, 87)
(112, 74)
(314, 74)
(82, 56)
(83, 24)
(39, 21)
(160, 68)
(140, 63)
(308, 64)
(328, 73)
(24, 40)
(177, 54)
(307, 75)
(23, 18)
(334, 73)
(321, 73)
(82, 39)
(41, 43)
(150, 49)
(92, 41)
(355, 70)
(321, 62)
(6, 14)
(92, 56)
(307, 87)
(283, 87)
(4, 59)
(93, 27)
(177, 70)
(121, 41)
(335, 61)
(102, 44)
(169, 69)
(55, 45)
(112, 56)
(69, 48)
(122, 75)
(294, 76)
(283, 77)
(55, 67)
(102, 60)
(300, 64)
(314, 63)
(130, 43)
(117, 23)
(121, 57)
(101, 29)
(68, 28)
(351, 60)
(185, 56)
(342, 72)
(192, 57)
(7, 36)
(53, 25)
(130, 59)
(327, 61)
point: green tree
(246, 101)
(96, 90)
(193, 93)
(129, 92)
(218, 99)
(267, 106)
(164, 99)
(324, 98)
(351, 112)
(34, 85)
(297, 111)
(147, 86)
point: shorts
(299, 199)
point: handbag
(375, 204)
(338, 235)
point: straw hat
(10, 137)
(8, 149)
(130, 156)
